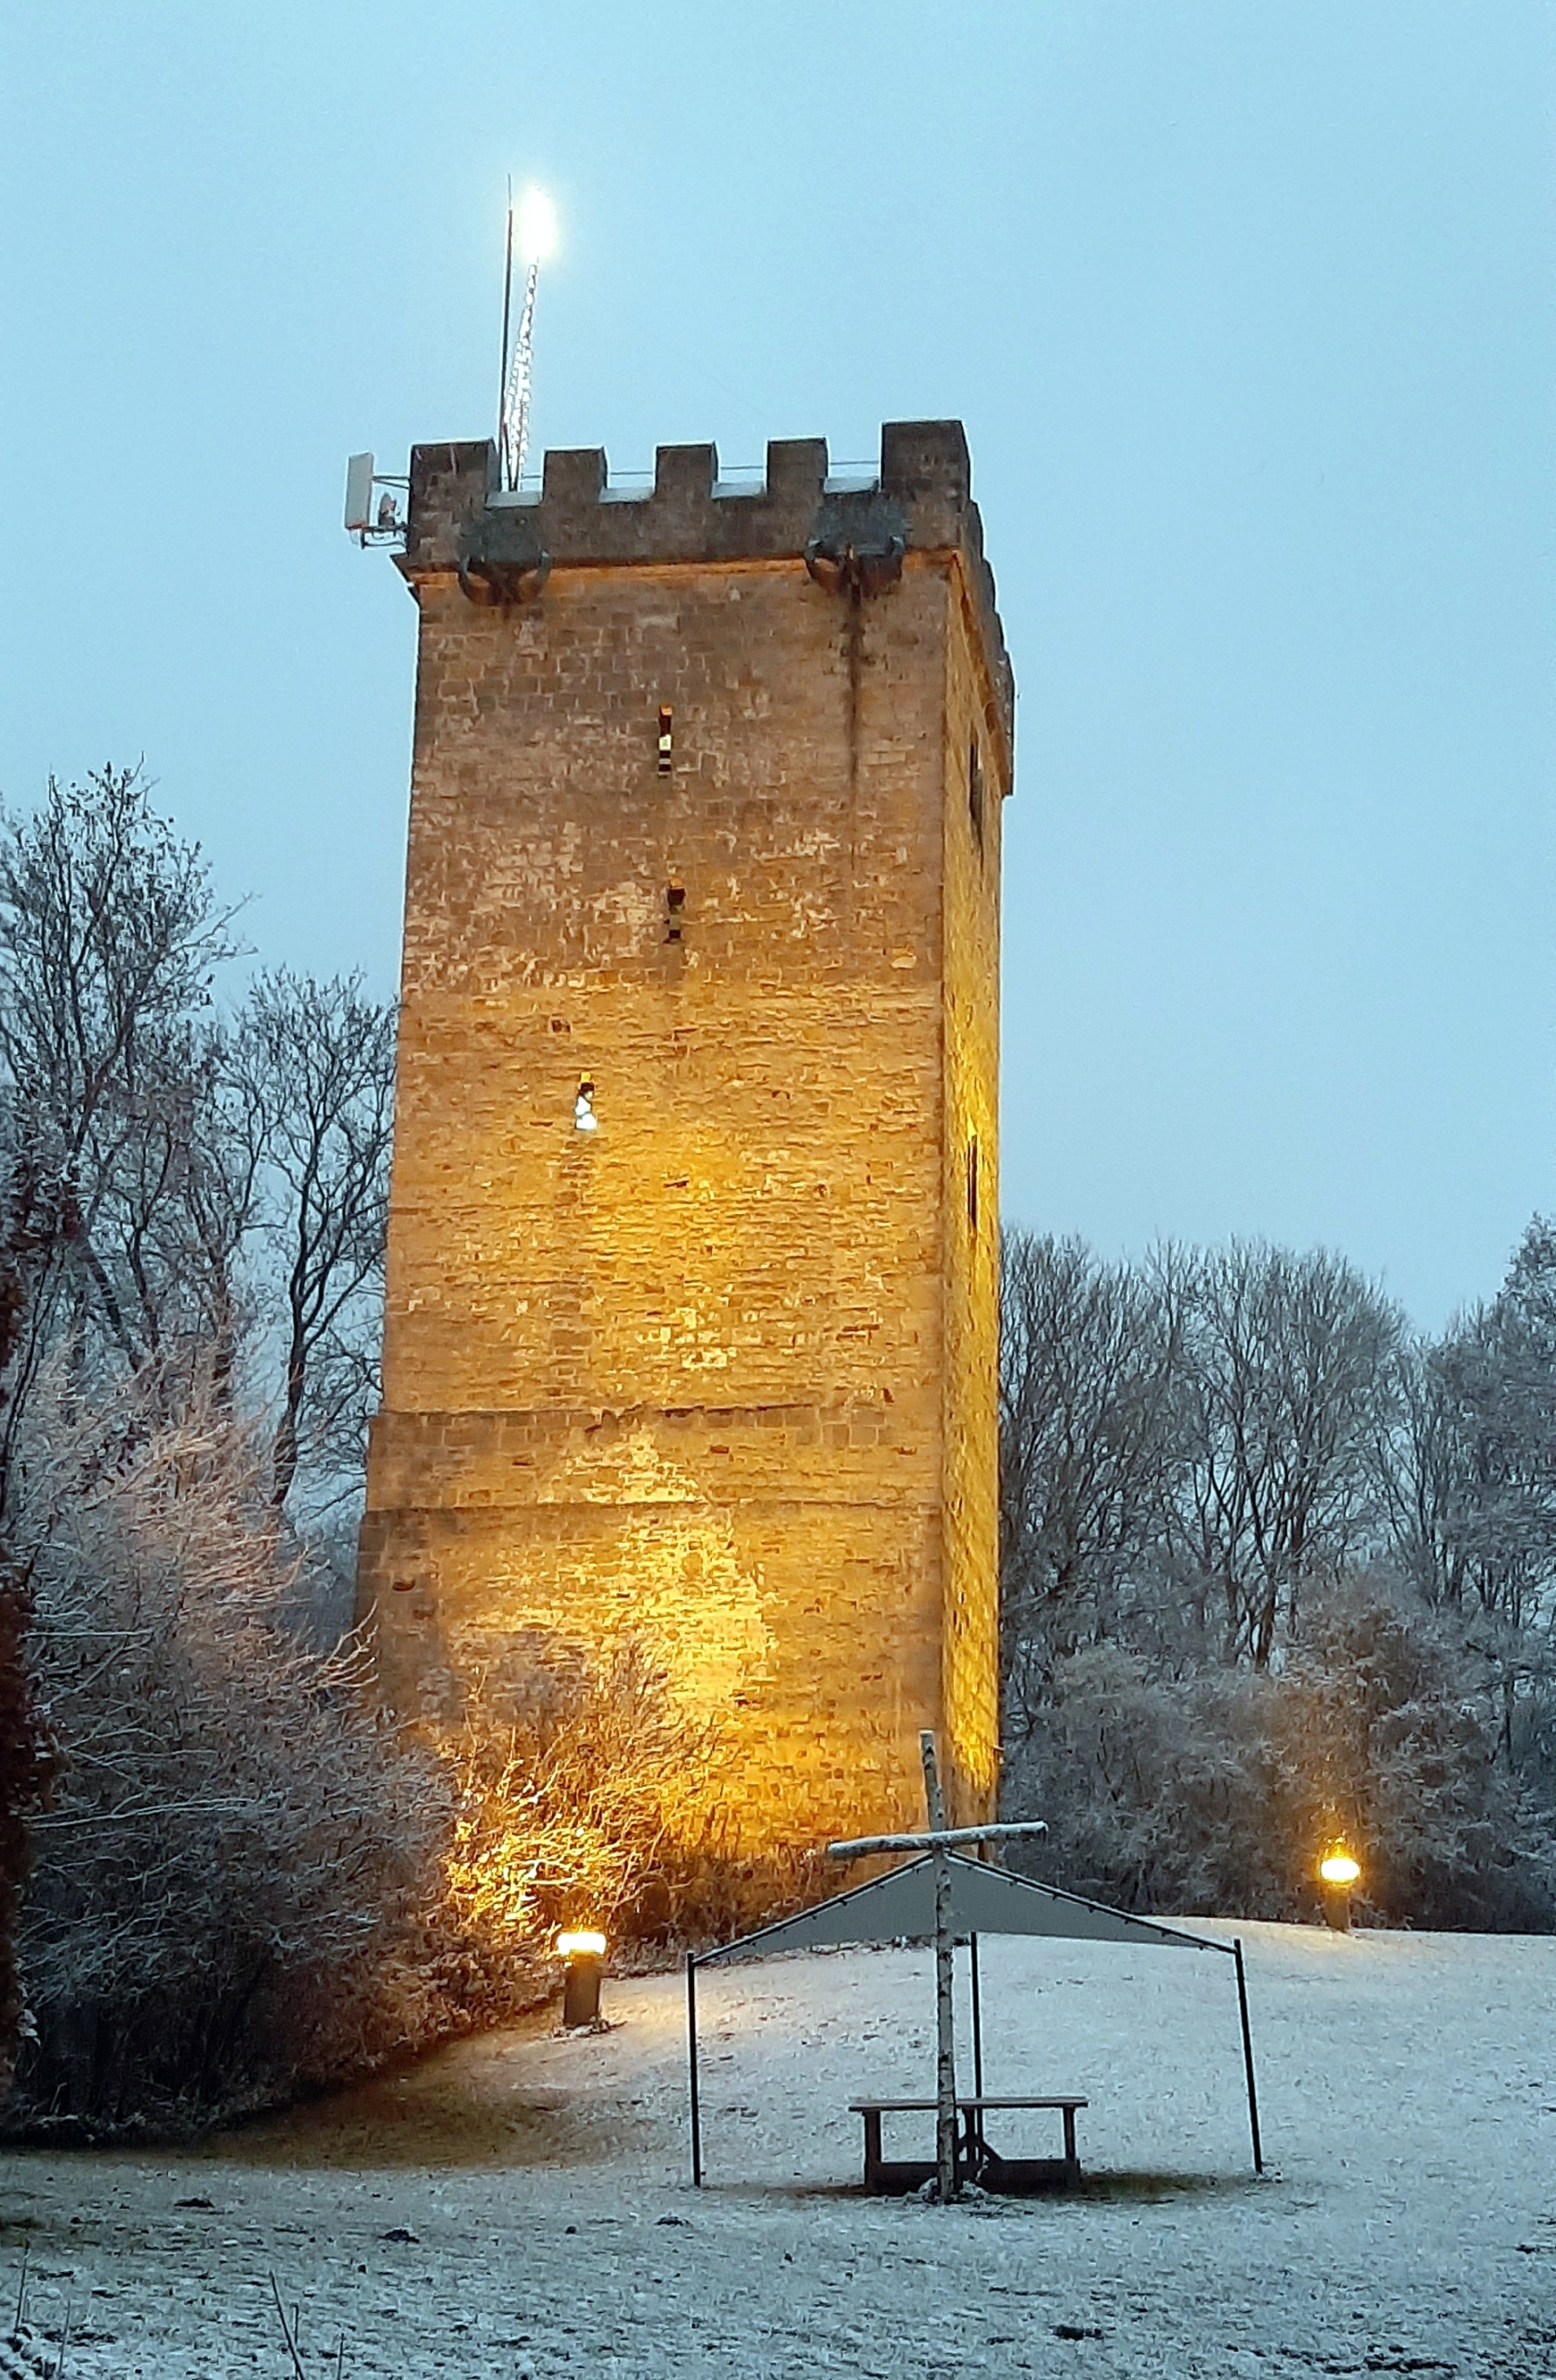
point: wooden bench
(976, 2161)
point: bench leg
(872, 2149)
(1070, 2157)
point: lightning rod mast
(535, 220)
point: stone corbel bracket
(494, 583)
(857, 558)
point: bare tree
(193, 1195)
(1471, 1484)
(314, 1064)
(1089, 1449)
(109, 939)
(28, 1757)
(1288, 1367)
(1496, 1373)
(1183, 1445)
(1421, 1475)
(183, 1179)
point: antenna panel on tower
(359, 492)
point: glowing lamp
(585, 1944)
(537, 227)
(582, 1952)
(1338, 1871)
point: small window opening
(584, 1117)
(666, 724)
(972, 1183)
(975, 791)
(675, 904)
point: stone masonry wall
(976, 764)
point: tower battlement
(692, 1320)
(922, 495)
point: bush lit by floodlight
(1337, 1867)
(583, 1944)
(537, 227)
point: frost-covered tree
(1090, 1451)
(1497, 1373)
(238, 1857)
(1473, 1487)
(1185, 1443)
(197, 1189)
(314, 1064)
(1270, 1568)
(1286, 1377)
(110, 941)
(190, 1233)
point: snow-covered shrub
(1397, 1716)
(588, 1797)
(1157, 1788)
(1214, 1789)
(231, 1883)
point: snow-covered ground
(521, 2204)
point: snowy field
(520, 2204)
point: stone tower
(693, 1287)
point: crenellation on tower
(458, 515)
(451, 485)
(927, 462)
(797, 471)
(692, 1292)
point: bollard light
(582, 1952)
(1338, 1872)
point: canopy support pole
(946, 2034)
(1248, 2056)
(977, 2018)
(691, 2070)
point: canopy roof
(983, 1900)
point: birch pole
(946, 2037)
(940, 1842)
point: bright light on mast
(535, 222)
(537, 227)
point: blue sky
(1248, 310)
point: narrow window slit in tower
(667, 723)
(675, 904)
(584, 1117)
(975, 791)
(972, 1183)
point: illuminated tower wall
(706, 829)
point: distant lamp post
(1338, 1871)
(583, 1956)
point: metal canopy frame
(983, 1900)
